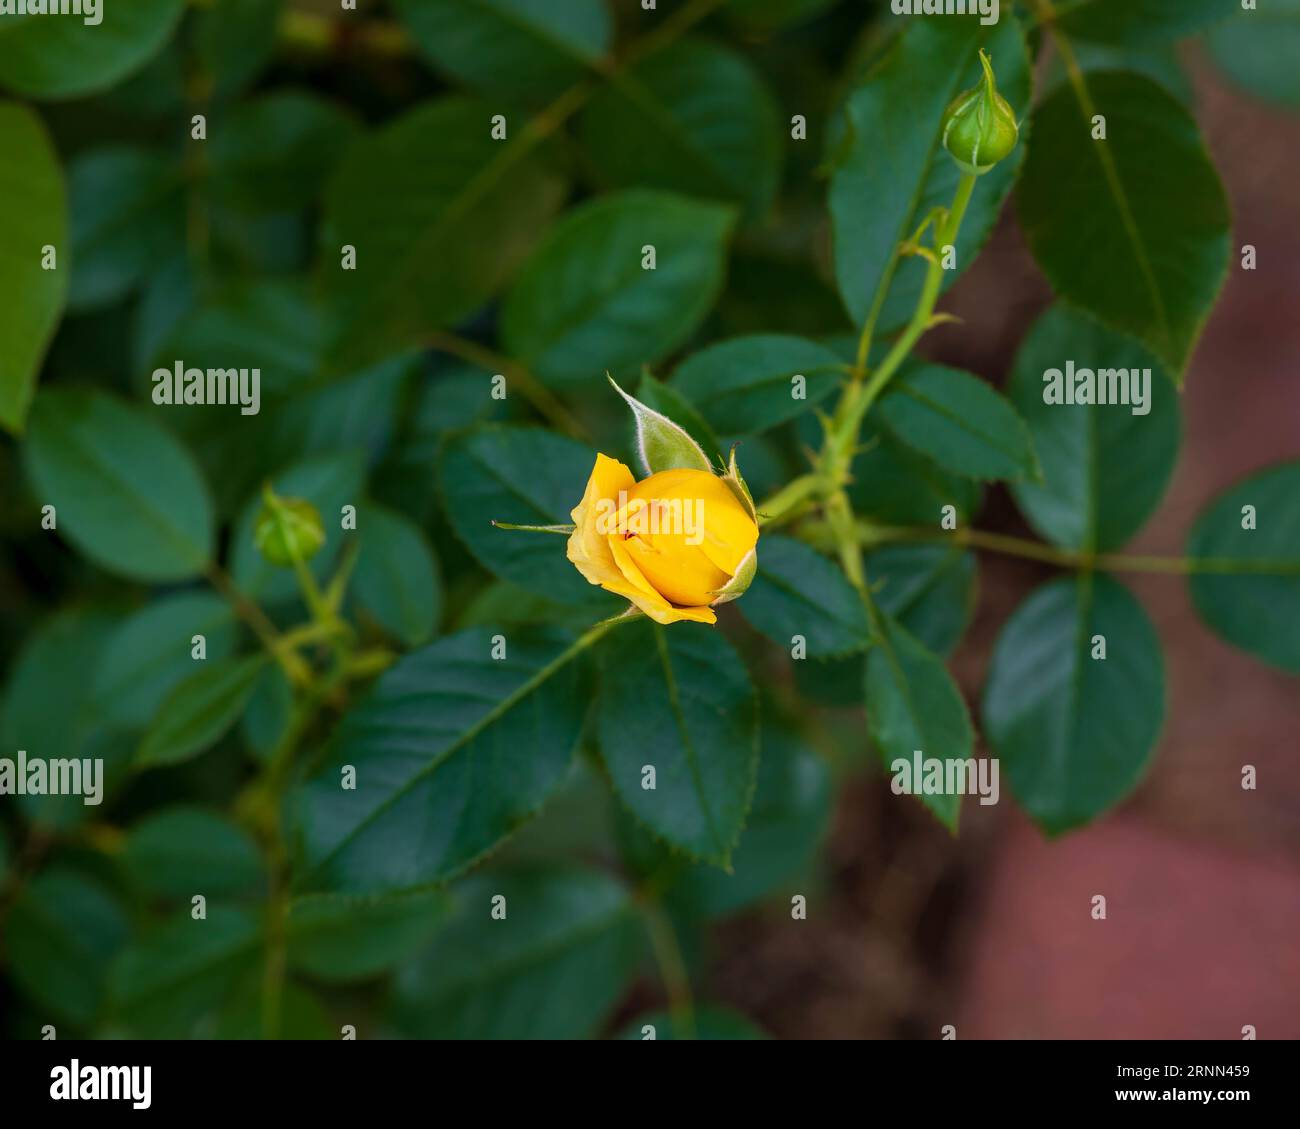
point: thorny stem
(858, 399)
(843, 430)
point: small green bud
(979, 126)
(287, 529)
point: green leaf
(278, 327)
(662, 443)
(273, 153)
(707, 1022)
(792, 803)
(169, 293)
(51, 716)
(552, 969)
(235, 40)
(502, 604)
(269, 324)
(913, 704)
(894, 172)
(61, 934)
(198, 712)
(1141, 22)
(1257, 50)
(530, 49)
(440, 215)
(929, 589)
(328, 482)
(1159, 63)
(893, 485)
(1133, 229)
(162, 985)
(524, 476)
(182, 851)
(396, 578)
(748, 384)
(268, 713)
(1250, 593)
(152, 651)
(243, 1016)
(797, 591)
(1105, 469)
(33, 215)
(669, 401)
(694, 118)
(344, 937)
(585, 303)
(960, 422)
(128, 214)
(681, 702)
(125, 492)
(1075, 733)
(43, 56)
(452, 749)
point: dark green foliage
(431, 782)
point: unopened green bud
(287, 529)
(979, 126)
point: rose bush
(381, 749)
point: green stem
(672, 968)
(311, 593)
(290, 662)
(790, 501)
(824, 535)
(267, 815)
(861, 400)
(338, 585)
(842, 433)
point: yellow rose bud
(671, 543)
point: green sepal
(661, 443)
(738, 585)
(736, 483)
